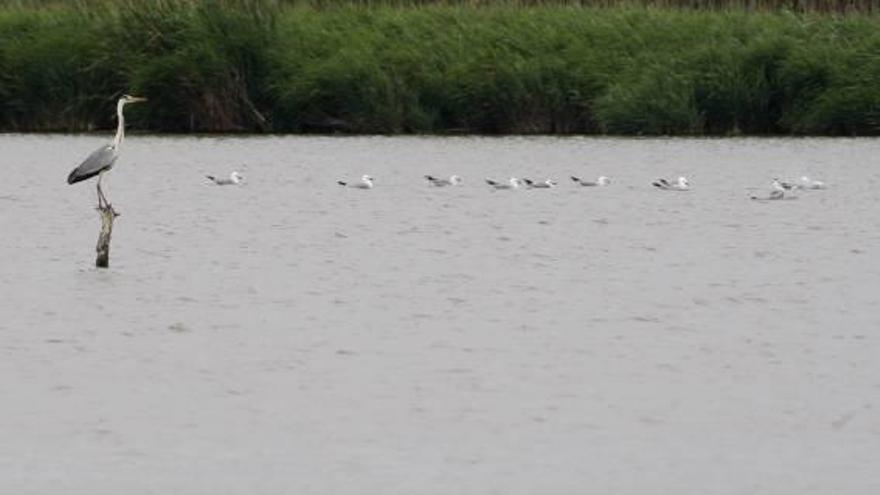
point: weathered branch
(108, 214)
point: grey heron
(454, 180)
(513, 183)
(681, 184)
(601, 181)
(103, 158)
(234, 179)
(365, 183)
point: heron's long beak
(136, 99)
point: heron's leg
(102, 201)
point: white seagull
(454, 180)
(601, 181)
(365, 183)
(777, 193)
(234, 179)
(785, 185)
(547, 184)
(513, 183)
(779, 186)
(808, 183)
(681, 184)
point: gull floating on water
(777, 192)
(808, 183)
(681, 184)
(601, 181)
(547, 184)
(513, 183)
(437, 182)
(779, 186)
(785, 185)
(365, 183)
(234, 179)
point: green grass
(259, 65)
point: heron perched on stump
(100, 161)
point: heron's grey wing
(101, 159)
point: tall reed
(284, 66)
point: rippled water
(292, 336)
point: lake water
(292, 336)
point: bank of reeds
(261, 65)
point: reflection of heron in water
(102, 159)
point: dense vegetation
(259, 65)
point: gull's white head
(683, 182)
(603, 181)
(550, 183)
(366, 178)
(455, 180)
(514, 182)
(236, 177)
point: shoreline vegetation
(642, 68)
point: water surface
(292, 336)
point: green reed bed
(257, 65)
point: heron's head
(603, 181)
(125, 99)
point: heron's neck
(120, 129)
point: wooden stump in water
(108, 214)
